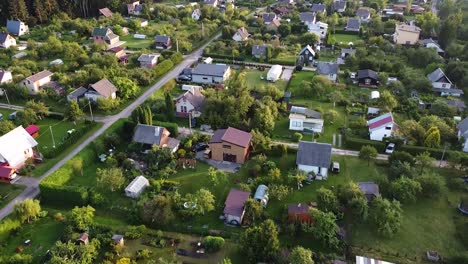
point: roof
(363, 12)
(459, 104)
(268, 17)
(314, 154)
(6, 171)
(373, 110)
(233, 136)
(147, 134)
(307, 17)
(4, 36)
(210, 69)
(463, 126)
(380, 121)
(3, 74)
(408, 28)
(13, 26)
(437, 75)
(101, 31)
(348, 51)
(319, 8)
(78, 92)
(162, 39)
(326, 68)
(116, 237)
(446, 90)
(367, 73)
(299, 208)
(171, 143)
(137, 185)
(194, 97)
(105, 12)
(39, 76)
(259, 50)
(32, 129)
(369, 188)
(13, 144)
(307, 48)
(83, 237)
(353, 23)
(366, 260)
(104, 87)
(305, 111)
(261, 192)
(148, 57)
(243, 32)
(234, 204)
(338, 5)
(197, 11)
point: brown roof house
(102, 89)
(241, 35)
(104, 35)
(105, 12)
(231, 145)
(155, 135)
(134, 8)
(35, 82)
(370, 190)
(148, 60)
(119, 53)
(162, 42)
(234, 206)
(299, 213)
(6, 40)
(190, 103)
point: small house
(442, 85)
(190, 103)
(102, 89)
(196, 14)
(6, 40)
(339, 6)
(381, 127)
(318, 28)
(134, 8)
(319, 8)
(5, 76)
(148, 60)
(462, 134)
(274, 73)
(432, 44)
(406, 34)
(241, 35)
(118, 240)
(213, 3)
(374, 95)
(259, 51)
(366, 260)
(104, 35)
(347, 52)
(261, 195)
(368, 78)
(305, 120)
(162, 42)
(136, 187)
(7, 173)
(328, 69)
(299, 213)
(34, 82)
(308, 18)
(143, 22)
(119, 53)
(353, 25)
(314, 158)
(211, 73)
(231, 145)
(77, 94)
(32, 130)
(306, 56)
(105, 12)
(17, 27)
(363, 14)
(155, 135)
(370, 190)
(269, 18)
(83, 239)
(234, 206)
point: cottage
(102, 89)
(366, 260)
(347, 52)
(148, 60)
(234, 206)
(307, 18)
(306, 120)
(155, 135)
(328, 69)
(162, 42)
(241, 35)
(6, 40)
(462, 128)
(134, 8)
(32, 130)
(339, 6)
(363, 14)
(432, 44)
(406, 34)
(299, 213)
(213, 3)
(261, 195)
(381, 127)
(35, 82)
(119, 53)
(231, 145)
(77, 94)
(16, 147)
(318, 28)
(136, 187)
(274, 73)
(259, 51)
(196, 14)
(105, 35)
(5, 76)
(190, 103)
(269, 18)
(353, 24)
(370, 190)
(17, 28)
(83, 239)
(314, 158)
(118, 240)
(442, 85)
(211, 73)
(319, 8)
(368, 78)
(306, 56)
(105, 12)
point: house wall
(10, 41)
(209, 79)
(442, 85)
(8, 78)
(301, 218)
(34, 87)
(218, 151)
(28, 153)
(148, 65)
(317, 30)
(450, 94)
(405, 37)
(315, 169)
(230, 218)
(113, 41)
(465, 146)
(296, 124)
(181, 104)
(98, 39)
(379, 134)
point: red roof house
(299, 213)
(7, 173)
(381, 127)
(33, 130)
(234, 206)
(231, 145)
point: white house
(241, 35)
(381, 127)
(261, 195)
(366, 260)
(303, 119)
(6, 40)
(318, 28)
(102, 89)
(211, 73)
(274, 73)
(442, 85)
(308, 18)
(34, 82)
(189, 103)
(314, 157)
(16, 147)
(234, 206)
(462, 128)
(5, 76)
(196, 14)
(148, 60)
(136, 187)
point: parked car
(390, 148)
(335, 167)
(200, 146)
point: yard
(8, 192)
(345, 37)
(133, 43)
(254, 79)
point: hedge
(222, 56)
(358, 143)
(172, 127)
(282, 62)
(344, 32)
(63, 195)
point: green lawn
(346, 37)
(8, 192)
(253, 79)
(133, 43)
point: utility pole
(177, 45)
(190, 121)
(443, 154)
(6, 95)
(90, 110)
(52, 133)
(202, 30)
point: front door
(229, 157)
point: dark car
(200, 146)
(182, 252)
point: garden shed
(261, 195)
(136, 187)
(274, 73)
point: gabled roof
(463, 126)
(197, 12)
(32, 129)
(300, 208)
(314, 154)
(369, 188)
(105, 12)
(235, 200)
(305, 111)
(438, 76)
(326, 68)
(39, 76)
(338, 5)
(104, 87)
(268, 17)
(78, 92)
(243, 33)
(308, 17)
(258, 50)
(210, 69)
(3, 73)
(4, 37)
(367, 73)
(353, 24)
(137, 185)
(233, 136)
(162, 39)
(408, 28)
(148, 57)
(194, 97)
(348, 51)
(309, 49)
(13, 144)
(363, 12)
(101, 31)
(380, 121)
(319, 8)
(150, 135)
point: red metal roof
(6, 171)
(32, 129)
(381, 122)
(234, 204)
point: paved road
(18, 107)
(32, 187)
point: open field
(8, 192)
(254, 80)
(345, 37)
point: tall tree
(386, 216)
(405, 189)
(111, 178)
(170, 106)
(424, 161)
(27, 210)
(324, 229)
(327, 200)
(260, 243)
(82, 217)
(18, 9)
(39, 11)
(74, 112)
(253, 212)
(6, 126)
(449, 29)
(432, 137)
(300, 255)
(387, 101)
(428, 22)
(157, 211)
(73, 253)
(368, 153)
(205, 200)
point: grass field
(346, 37)
(133, 43)
(253, 79)
(8, 192)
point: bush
(213, 243)
(135, 232)
(358, 143)
(297, 137)
(172, 127)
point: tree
(205, 201)
(278, 191)
(39, 108)
(431, 183)
(127, 88)
(387, 101)
(386, 216)
(359, 208)
(336, 96)
(263, 119)
(253, 212)
(170, 106)
(284, 30)
(260, 243)
(39, 10)
(428, 23)
(327, 200)
(309, 39)
(77, 166)
(27, 116)
(368, 153)
(82, 217)
(324, 229)
(111, 178)
(18, 10)
(405, 189)
(432, 137)
(448, 30)
(424, 161)
(157, 210)
(331, 116)
(27, 210)
(74, 111)
(72, 253)
(300, 255)
(413, 131)
(333, 21)
(213, 243)
(216, 176)
(6, 126)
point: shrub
(59, 217)
(135, 232)
(213, 243)
(297, 137)
(358, 143)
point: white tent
(375, 95)
(274, 73)
(261, 195)
(16, 147)
(136, 187)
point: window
(183, 109)
(443, 85)
(388, 128)
(226, 146)
(296, 124)
(367, 81)
(205, 78)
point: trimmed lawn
(253, 79)
(8, 192)
(133, 43)
(346, 37)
